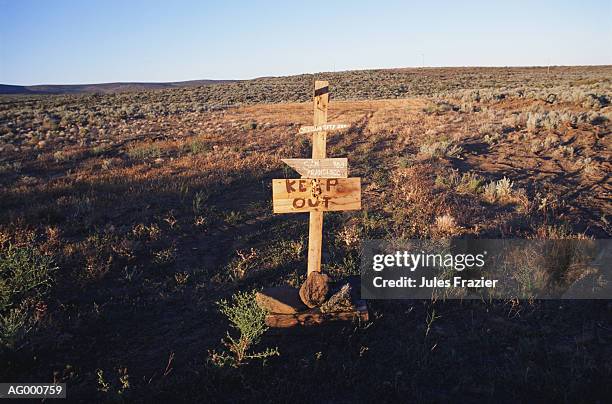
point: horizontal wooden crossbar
(321, 91)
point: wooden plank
(319, 168)
(327, 127)
(315, 317)
(319, 144)
(311, 195)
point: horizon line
(307, 73)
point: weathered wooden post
(323, 186)
(319, 151)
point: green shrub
(233, 217)
(470, 183)
(198, 146)
(13, 326)
(448, 179)
(115, 389)
(405, 162)
(199, 201)
(144, 151)
(25, 273)
(101, 149)
(248, 319)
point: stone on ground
(315, 289)
(280, 299)
(340, 301)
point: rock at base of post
(340, 301)
(280, 299)
(315, 289)
(344, 305)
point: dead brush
(521, 198)
(566, 151)
(498, 191)
(98, 254)
(448, 179)
(488, 128)
(165, 256)
(415, 200)
(536, 146)
(150, 232)
(551, 140)
(534, 121)
(561, 231)
(144, 151)
(588, 165)
(513, 122)
(181, 278)
(440, 149)
(125, 248)
(493, 139)
(466, 183)
(350, 236)
(239, 268)
(446, 226)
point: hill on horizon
(104, 88)
(122, 87)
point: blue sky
(105, 41)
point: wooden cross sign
(324, 185)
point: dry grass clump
(492, 139)
(566, 151)
(439, 108)
(498, 191)
(144, 151)
(420, 201)
(466, 183)
(350, 235)
(555, 120)
(446, 226)
(514, 121)
(588, 165)
(503, 192)
(415, 202)
(470, 183)
(560, 231)
(440, 149)
(198, 145)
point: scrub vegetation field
(129, 222)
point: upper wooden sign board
(310, 195)
(319, 168)
(326, 127)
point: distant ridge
(103, 88)
(403, 76)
